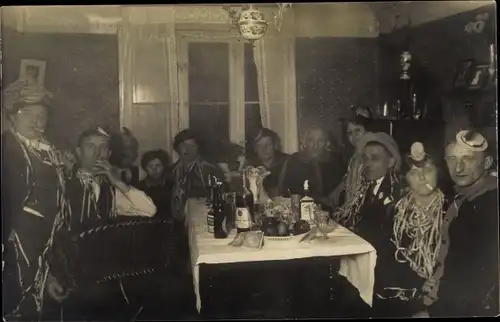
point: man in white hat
(465, 282)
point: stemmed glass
(323, 223)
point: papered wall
(333, 73)
(81, 71)
(440, 53)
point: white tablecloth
(357, 262)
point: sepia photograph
(249, 161)
(464, 72)
(479, 77)
(34, 69)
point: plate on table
(285, 238)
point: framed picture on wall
(33, 68)
(479, 77)
(463, 74)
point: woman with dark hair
(191, 172)
(404, 270)
(34, 204)
(157, 184)
(356, 126)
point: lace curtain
(274, 56)
(149, 77)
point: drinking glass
(323, 223)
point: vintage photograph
(34, 69)
(463, 74)
(480, 77)
(285, 161)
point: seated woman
(408, 265)
(190, 174)
(357, 124)
(287, 175)
(157, 184)
(124, 151)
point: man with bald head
(465, 282)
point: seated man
(96, 192)
(191, 172)
(287, 175)
(466, 278)
(367, 213)
(315, 154)
(97, 196)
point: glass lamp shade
(251, 24)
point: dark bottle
(211, 216)
(220, 215)
(244, 208)
(211, 188)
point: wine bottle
(211, 203)
(244, 208)
(306, 204)
(219, 213)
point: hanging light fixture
(250, 21)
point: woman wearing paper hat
(415, 238)
(34, 204)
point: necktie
(371, 190)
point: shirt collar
(37, 144)
(481, 186)
(87, 177)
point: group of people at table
(437, 250)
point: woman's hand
(55, 290)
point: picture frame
(463, 74)
(479, 77)
(34, 68)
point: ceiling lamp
(250, 22)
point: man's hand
(68, 159)
(55, 290)
(105, 169)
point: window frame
(236, 78)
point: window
(221, 82)
(209, 89)
(253, 121)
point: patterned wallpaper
(333, 73)
(82, 73)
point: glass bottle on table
(212, 205)
(244, 216)
(220, 215)
(306, 205)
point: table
(357, 262)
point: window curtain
(274, 56)
(149, 90)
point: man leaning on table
(466, 278)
